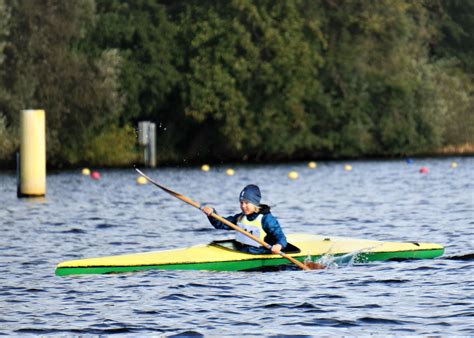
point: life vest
(254, 227)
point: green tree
(452, 48)
(251, 71)
(454, 36)
(44, 68)
(377, 75)
(8, 142)
(238, 79)
(145, 37)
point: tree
(145, 37)
(454, 36)
(251, 70)
(377, 77)
(45, 68)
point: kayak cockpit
(233, 245)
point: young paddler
(254, 218)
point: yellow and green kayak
(224, 256)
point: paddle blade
(314, 266)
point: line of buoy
(228, 172)
(293, 175)
(95, 175)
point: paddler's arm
(274, 232)
(217, 224)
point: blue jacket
(270, 225)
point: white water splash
(331, 261)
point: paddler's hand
(276, 249)
(208, 211)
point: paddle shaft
(223, 220)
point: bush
(114, 146)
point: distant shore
(463, 150)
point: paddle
(223, 220)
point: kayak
(224, 255)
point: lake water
(379, 200)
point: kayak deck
(222, 256)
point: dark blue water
(379, 200)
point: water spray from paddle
(329, 260)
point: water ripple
(378, 200)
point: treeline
(239, 79)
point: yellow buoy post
(32, 161)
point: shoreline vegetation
(465, 150)
(239, 81)
(459, 150)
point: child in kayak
(254, 218)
